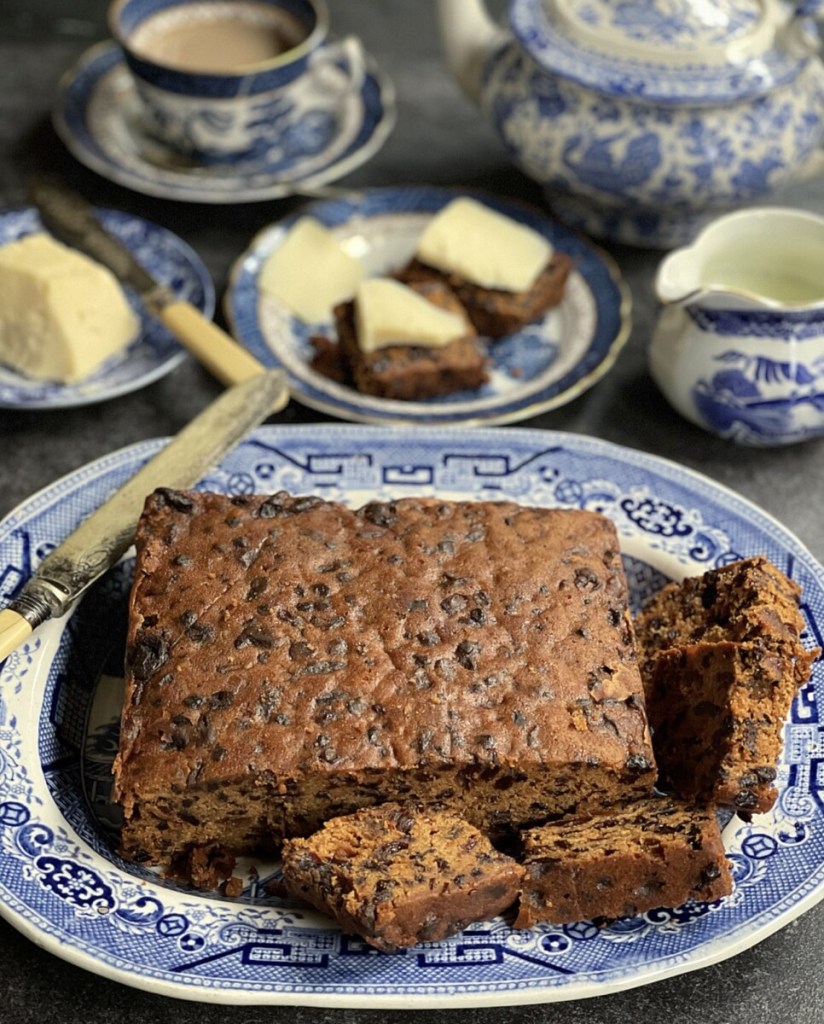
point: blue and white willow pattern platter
(63, 886)
(540, 367)
(154, 352)
(97, 116)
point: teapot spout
(468, 35)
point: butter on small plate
(151, 353)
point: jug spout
(468, 35)
(679, 281)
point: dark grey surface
(439, 139)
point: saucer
(154, 352)
(97, 115)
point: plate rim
(715, 950)
(189, 190)
(623, 310)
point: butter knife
(70, 218)
(99, 541)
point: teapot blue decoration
(645, 119)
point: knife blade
(70, 218)
(99, 541)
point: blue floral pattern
(746, 398)
(679, 24)
(646, 69)
(646, 173)
(632, 152)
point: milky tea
(217, 38)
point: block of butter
(61, 313)
(389, 313)
(483, 246)
(310, 272)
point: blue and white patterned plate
(63, 886)
(97, 116)
(154, 352)
(544, 365)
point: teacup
(739, 345)
(222, 80)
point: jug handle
(468, 34)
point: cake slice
(504, 272)
(722, 657)
(747, 600)
(657, 852)
(409, 371)
(398, 875)
(496, 312)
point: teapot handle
(801, 34)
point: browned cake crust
(657, 852)
(398, 875)
(290, 660)
(722, 658)
(495, 312)
(414, 372)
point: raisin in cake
(398, 875)
(722, 658)
(290, 660)
(656, 852)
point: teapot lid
(676, 51)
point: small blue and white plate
(97, 115)
(153, 352)
(62, 884)
(544, 365)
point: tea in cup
(220, 80)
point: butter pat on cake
(409, 343)
(504, 273)
(481, 245)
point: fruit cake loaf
(656, 852)
(290, 659)
(398, 875)
(722, 658)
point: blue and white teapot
(645, 118)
